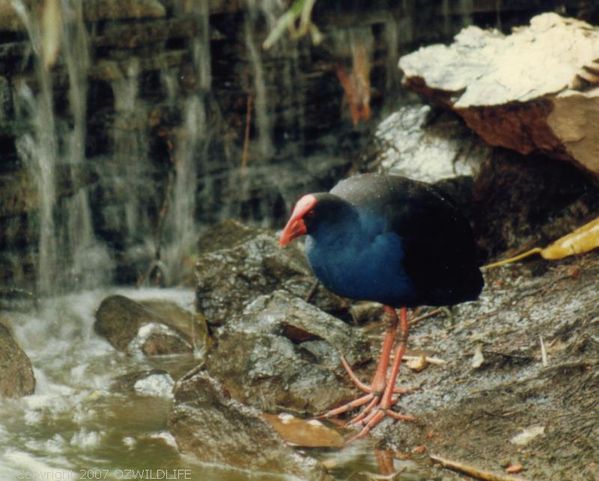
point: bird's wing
(438, 244)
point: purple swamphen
(391, 240)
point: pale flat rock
(535, 90)
(421, 144)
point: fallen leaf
(514, 468)
(417, 363)
(477, 358)
(581, 240)
(527, 435)
(305, 433)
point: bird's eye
(310, 213)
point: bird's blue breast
(361, 260)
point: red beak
(296, 226)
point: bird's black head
(311, 211)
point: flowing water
(77, 426)
(54, 152)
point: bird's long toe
(356, 403)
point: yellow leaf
(581, 240)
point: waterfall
(39, 150)
(69, 256)
(130, 167)
(135, 130)
(89, 260)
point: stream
(78, 426)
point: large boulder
(150, 382)
(428, 144)
(282, 353)
(532, 91)
(238, 266)
(16, 372)
(149, 327)
(217, 429)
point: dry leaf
(581, 240)
(477, 358)
(309, 434)
(514, 468)
(417, 363)
(527, 435)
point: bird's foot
(375, 405)
(382, 394)
(368, 420)
(375, 409)
(365, 387)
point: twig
(536, 250)
(473, 471)
(544, 359)
(432, 313)
(430, 360)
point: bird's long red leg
(404, 327)
(378, 381)
(378, 385)
(387, 401)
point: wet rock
(226, 234)
(9, 20)
(16, 299)
(283, 354)
(151, 382)
(192, 325)
(216, 429)
(155, 339)
(16, 372)
(19, 196)
(157, 384)
(532, 91)
(428, 144)
(150, 327)
(250, 265)
(150, 32)
(96, 10)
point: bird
(392, 240)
